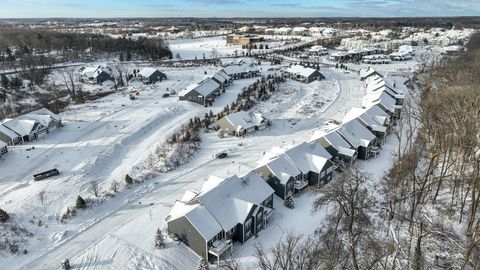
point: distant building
(96, 75)
(151, 75)
(243, 39)
(303, 74)
(202, 93)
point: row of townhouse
(28, 127)
(100, 74)
(236, 208)
(223, 211)
(205, 91)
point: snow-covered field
(104, 139)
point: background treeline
(43, 44)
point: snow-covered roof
(367, 72)
(360, 132)
(308, 157)
(8, 132)
(205, 87)
(374, 117)
(231, 200)
(45, 111)
(301, 70)
(233, 70)
(379, 97)
(317, 48)
(222, 203)
(283, 168)
(147, 72)
(218, 77)
(44, 120)
(245, 120)
(337, 142)
(22, 127)
(91, 72)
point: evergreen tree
(80, 203)
(121, 57)
(129, 56)
(4, 81)
(128, 179)
(159, 240)
(202, 265)
(4, 216)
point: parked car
(45, 174)
(165, 95)
(221, 155)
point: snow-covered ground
(104, 139)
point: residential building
(303, 74)
(202, 93)
(151, 75)
(241, 123)
(223, 211)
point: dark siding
(277, 186)
(184, 230)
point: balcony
(219, 247)
(300, 185)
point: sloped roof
(283, 168)
(45, 111)
(204, 88)
(359, 132)
(221, 203)
(379, 97)
(232, 199)
(147, 72)
(245, 120)
(367, 72)
(339, 143)
(301, 70)
(22, 127)
(375, 117)
(8, 132)
(308, 157)
(232, 70)
(44, 120)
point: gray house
(151, 75)
(28, 129)
(357, 135)
(96, 75)
(374, 119)
(241, 123)
(241, 72)
(368, 72)
(222, 78)
(3, 148)
(202, 93)
(223, 211)
(313, 161)
(303, 74)
(282, 175)
(341, 151)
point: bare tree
(94, 188)
(69, 77)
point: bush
(80, 203)
(4, 216)
(159, 240)
(128, 180)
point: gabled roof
(45, 111)
(367, 72)
(282, 167)
(147, 72)
(358, 131)
(44, 120)
(231, 200)
(245, 120)
(308, 157)
(204, 88)
(301, 70)
(336, 141)
(375, 117)
(379, 97)
(91, 72)
(222, 203)
(232, 70)
(22, 127)
(8, 132)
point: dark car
(165, 95)
(221, 155)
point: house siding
(184, 230)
